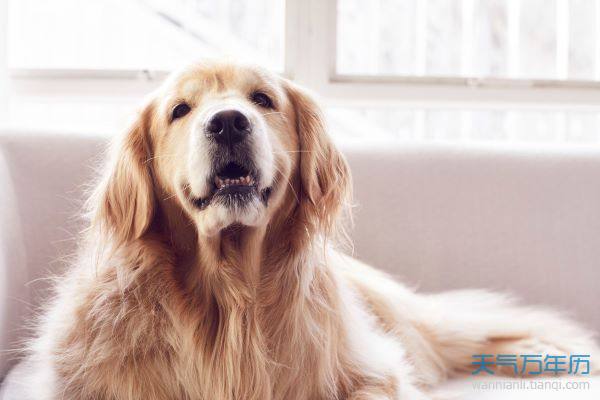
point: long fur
(154, 310)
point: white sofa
(440, 217)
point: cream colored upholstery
(439, 217)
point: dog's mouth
(233, 177)
(234, 184)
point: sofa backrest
(524, 221)
(438, 217)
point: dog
(213, 268)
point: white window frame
(310, 59)
(311, 32)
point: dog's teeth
(247, 180)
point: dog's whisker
(289, 183)
(156, 157)
(287, 180)
(273, 113)
(293, 151)
(169, 197)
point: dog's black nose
(228, 127)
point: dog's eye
(180, 110)
(261, 99)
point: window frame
(310, 59)
(315, 20)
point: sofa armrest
(14, 294)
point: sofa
(524, 220)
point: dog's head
(229, 146)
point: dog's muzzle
(234, 179)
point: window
(153, 35)
(514, 39)
(428, 70)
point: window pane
(582, 30)
(490, 42)
(142, 34)
(527, 39)
(388, 49)
(443, 38)
(464, 126)
(537, 50)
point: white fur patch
(217, 216)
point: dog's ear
(324, 174)
(123, 203)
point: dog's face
(223, 144)
(229, 144)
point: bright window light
(514, 71)
(508, 39)
(142, 34)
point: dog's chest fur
(150, 341)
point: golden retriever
(210, 269)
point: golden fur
(168, 302)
